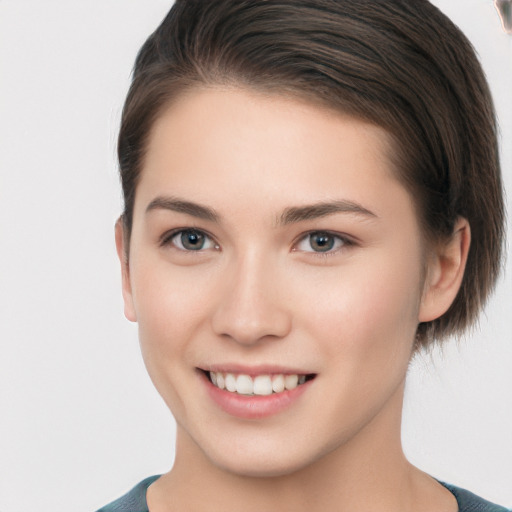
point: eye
(190, 240)
(321, 242)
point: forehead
(220, 145)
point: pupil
(192, 240)
(322, 242)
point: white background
(79, 420)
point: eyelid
(346, 240)
(166, 238)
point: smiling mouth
(259, 385)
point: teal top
(135, 500)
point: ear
(445, 272)
(122, 253)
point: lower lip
(254, 406)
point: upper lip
(260, 369)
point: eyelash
(342, 241)
(167, 239)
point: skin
(258, 293)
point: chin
(261, 462)
(259, 468)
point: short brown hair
(400, 64)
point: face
(272, 246)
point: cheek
(367, 313)
(170, 305)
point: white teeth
(230, 382)
(291, 381)
(260, 385)
(278, 383)
(244, 385)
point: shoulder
(133, 501)
(469, 502)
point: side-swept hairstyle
(399, 64)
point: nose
(251, 306)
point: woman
(312, 194)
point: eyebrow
(290, 215)
(181, 206)
(322, 209)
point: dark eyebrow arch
(322, 209)
(181, 206)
